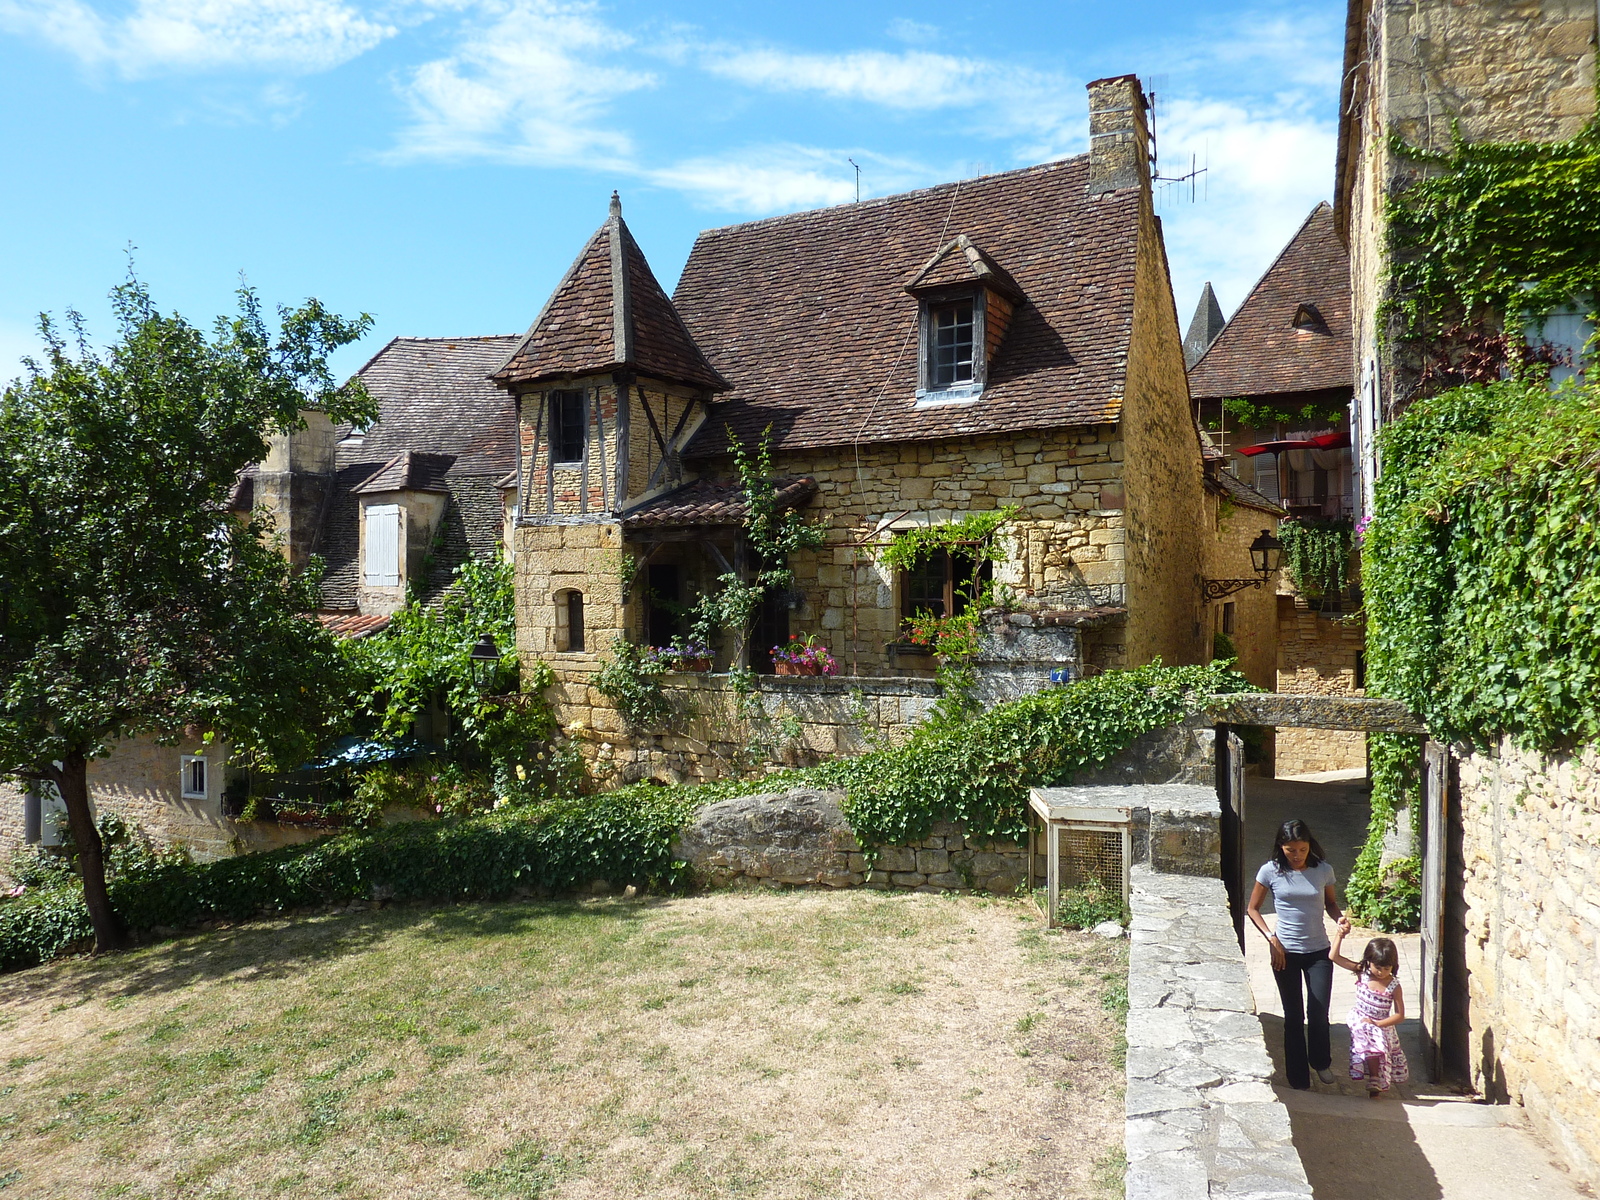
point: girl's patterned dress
(1368, 1041)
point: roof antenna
(616, 205)
(857, 166)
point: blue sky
(438, 163)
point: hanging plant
(1316, 553)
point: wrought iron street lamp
(485, 659)
(1266, 552)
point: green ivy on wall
(1493, 228)
(1316, 553)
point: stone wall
(1424, 69)
(1164, 551)
(1255, 610)
(139, 781)
(787, 720)
(1202, 1118)
(1531, 863)
(1318, 656)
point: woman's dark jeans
(1303, 1050)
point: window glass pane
(924, 586)
(574, 620)
(567, 426)
(950, 351)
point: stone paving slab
(1202, 1118)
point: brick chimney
(1119, 135)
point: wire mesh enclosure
(1085, 841)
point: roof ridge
(1262, 278)
(877, 201)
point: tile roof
(434, 397)
(609, 313)
(960, 261)
(410, 471)
(708, 502)
(352, 625)
(1226, 483)
(1260, 352)
(1204, 327)
(807, 316)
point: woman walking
(1301, 883)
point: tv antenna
(1198, 188)
(857, 166)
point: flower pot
(694, 664)
(794, 668)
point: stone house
(1520, 1008)
(1286, 354)
(1006, 340)
(395, 505)
(1429, 71)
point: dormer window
(966, 303)
(1308, 318)
(950, 344)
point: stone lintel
(1277, 709)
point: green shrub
(555, 847)
(1088, 905)
(1387, 898)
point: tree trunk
(72, 780)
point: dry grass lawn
(748, 1044)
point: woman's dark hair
(1380, 952)
(1295, 831)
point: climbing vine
(1316, 553)
(1490, 230)
(1253, 415)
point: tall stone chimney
(293, 483)
(1119, 135)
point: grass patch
(730, 1044)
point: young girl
(1379, 1008)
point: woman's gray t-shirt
(1298, 897)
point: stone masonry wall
(1531, 853)
(139, 781)
(1068, 542)
(1507, 71)
(1255, 610)
(1165, 508)
(1318, 656)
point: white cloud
(915, 80)
(1268, 168)
(533, 84)
(904, 29)
(156, 36)
(783, 178)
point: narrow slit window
(569, 620)
(567, 426)
(950, 344)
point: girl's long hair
(1380, 952)
(1295, 831)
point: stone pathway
(1425, 1142)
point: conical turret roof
(608, 313)
(1204, 327)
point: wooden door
(1230, 797)
(1435, 798)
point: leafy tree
(131, 602)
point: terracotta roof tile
(352, 625)
(708, 502)
(608, 313)
(807, 315)
(960, 261)
(1260, 351)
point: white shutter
(1267, 475)
(383, 545)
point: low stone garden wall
(1202, 1118)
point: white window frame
(374, 519)
(185, 777)
(967, 391)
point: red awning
(1325, 441)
